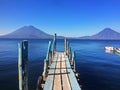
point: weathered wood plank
(57, 79)
(73, 81)
(65, 80)
(49, 82)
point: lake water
(98, 70)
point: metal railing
(49, 57)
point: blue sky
(65, 17)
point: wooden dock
(59, 71)
(60, 75)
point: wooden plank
(57, 79)
(73, 81)
(65, 80)
(49, 82)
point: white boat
(109, 48)
(117, 50)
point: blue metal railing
(49, 57)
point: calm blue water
(98, 70)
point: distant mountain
(28, 32)
(85, 37)
(107, 34)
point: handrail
(49, 57)
(53, 48)
(48, 52)
(70, 54)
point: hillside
(28, 32)
(106, 34)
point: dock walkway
(59, 71)
(60, 75)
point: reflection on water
(117, 53)
(109, 51)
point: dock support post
(23, 65)
(69, 53)
(55, 43)
(67, 48)
(54, 46)
(65, 42)
(48, 57)
(73, 61)
(45, 70)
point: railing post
(53, 46)
(23, 65)
(45, 69)
(52, 49)
(73, 63)
(48, 57)
(55, 42)
(65, 42)
(74, 54)
(67, 48)
(69, 53)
